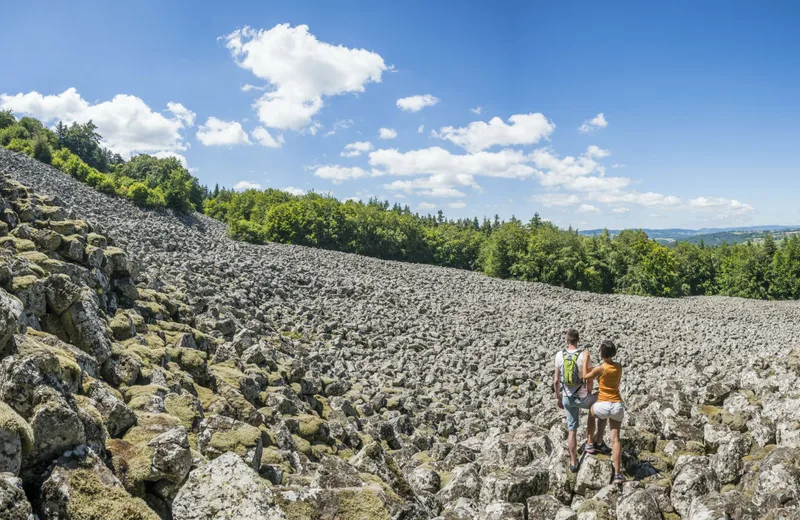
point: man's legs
(573, 420)
(572, 444)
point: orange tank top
(609, 383)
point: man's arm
(557, 386)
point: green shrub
(21, 145)
(94, 179)
(107, 186)
(138, 192)
(41, 149)
(6, 119)
(12, 132)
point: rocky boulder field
(152, 368)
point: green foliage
(6, 119)
(41, 149)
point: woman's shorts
(606, 410)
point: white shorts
(606, 410)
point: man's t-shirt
(584, 389)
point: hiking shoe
(590, 449)
(582, 447)
(574, 469)
(602, 448)
(619, 479)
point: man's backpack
(571, 371)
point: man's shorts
(606, 410)
(573, 405)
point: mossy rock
(11, 421)
(311, 427)
(303, 446)
(239, 440)
(34, 257)
(720, 415)
(90, 499)
(18, 244)
(184, 407)
(121, 326)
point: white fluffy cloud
(587, 209)
(524, 129)
(416, 103)
(583, 173)
(216, 132)
(337, 174)
(505, 163)
(246, 185)
(356, 149)
(264, 138)
(126, 123)
(550, 200)
(294, 191)
(300, 70)
(598, 122)
(387, 133)
(429, 187)
(725, 206)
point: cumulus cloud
(246, 185)
(725, 206)
(523, 129)
(216, 132)
(430, 187)
(387, 133)
(356, 149)
(550, 200)
(598, 122)
(126, 123)
(300, 70)
(416, 103)
(337, 174)
(264, 138)
(438, 161)
(587, 209)
(583, 173)
(294, 191)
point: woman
(609, 400)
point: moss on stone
(227, 373)
(132, 393)
(183, 407)
(362, 504)
(239, 440)
(720, 415)
(310, 427)
(11, 421)
(19, 244)
(303, 446)
(90, 499)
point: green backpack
(571, 371)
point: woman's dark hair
(608, 349)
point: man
(573, 393)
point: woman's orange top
(609, 383)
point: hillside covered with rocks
(150, 367)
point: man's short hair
(573, 337)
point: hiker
(609, 400)
(573, 392)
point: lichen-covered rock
(464, 483)
(10, 311)
(639, 505)
(595, 472)
(333, 472)
(57, 427)
(503, 511)
(543, 507)
(373, 459)
(694, 477)
(14, 504)
(172, 459)
(424, 480)
(61, 293)
(225, 489)
(86, 329)
(732, 504)
(117, 417)
(514, 485)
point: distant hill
(709, 236)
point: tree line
(537, 251)
(76, 150)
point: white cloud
(312, 129)
(341, 124)
(598, 122)
(550, 200)
(356, 149)
(438, 161)
(421, 129)
(246, 185)
(294, 191)
(416, 103)
(582, 173)
(429, 187)
(300, 70)
(725, 206)
(476, 110)
(337, 174)
(264, 138)
(650, 198)
(180, 157)
(587, 209)
(216, 132)
(523, 129)
(620, 211)
(248, 87)
(457, 204)
(426, 206)
(387, 133)
(126, 123)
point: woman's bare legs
(616, 448)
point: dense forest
(537, 250)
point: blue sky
(699, 103)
